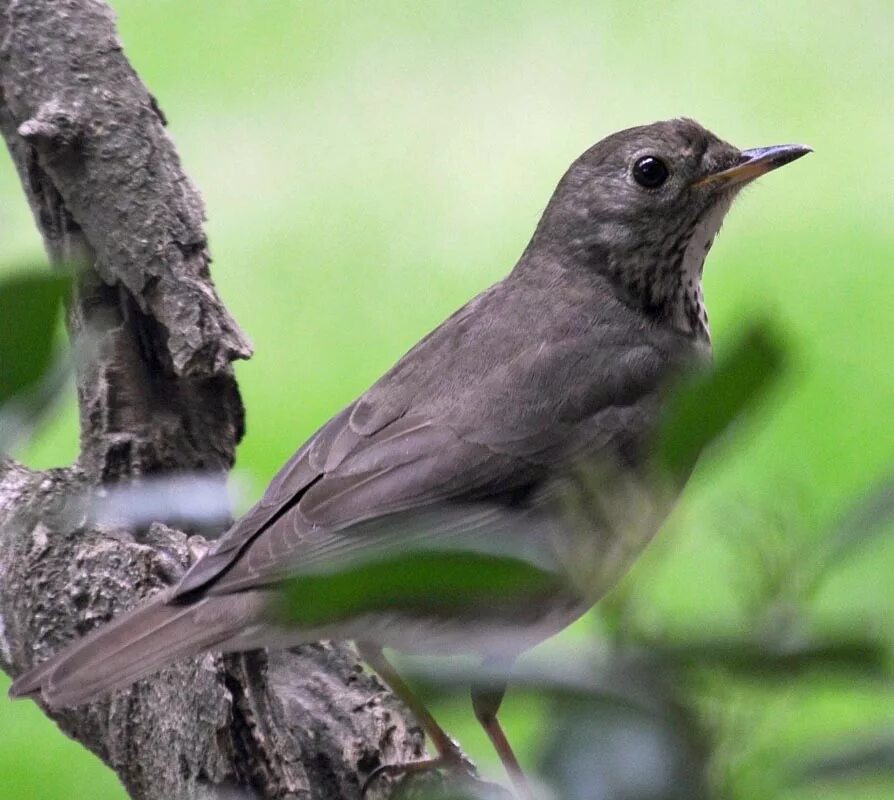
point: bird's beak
(753, 163)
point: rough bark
(157, 395)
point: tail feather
(137, 644)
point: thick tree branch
(157, 395)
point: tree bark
(157, 395)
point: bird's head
(642, 208)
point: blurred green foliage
(29, 305)
(368, 167)
(702, 411)
(417, 581)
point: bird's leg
(486, 703)
(449, 754)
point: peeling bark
(157, 395)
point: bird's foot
(452, 759)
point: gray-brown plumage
(565, 358)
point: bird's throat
(688, 312)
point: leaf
(867, 517)
(637, 674)
(29, 308)
(431, 582)
(704, 408)
(854, 655)
(870, 757)
(860, 526)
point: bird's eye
(650, 172)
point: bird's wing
(411, 442)
(341, 478)
(441, 492)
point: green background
(368, 167)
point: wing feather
(481, 432)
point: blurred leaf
(571, 675)
(29, 308)
(437, 582)
(858, 655)
(703, 409)
(628, 675)
(867, 517)
(859, 527)
(184, 499)
(871, 757)
(771, 543)
(599, 752)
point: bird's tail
(137, 644)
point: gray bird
(473, 437)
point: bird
(472, 436)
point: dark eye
(650, 172)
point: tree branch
(157, 394)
